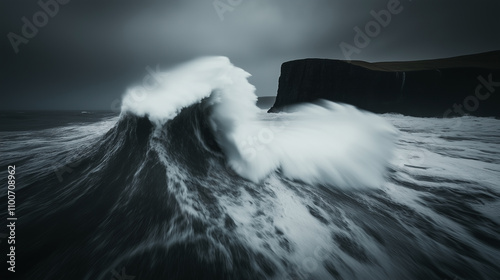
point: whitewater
(193, 181)
(325, 143)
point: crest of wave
(326, 143)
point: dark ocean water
(100, 196)
(40, 120)
(193, 181)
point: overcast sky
(88, 52)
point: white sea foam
(326, 143)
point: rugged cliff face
(439, 88)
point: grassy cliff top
(488, 60)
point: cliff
(431, 88)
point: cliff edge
(430, 88)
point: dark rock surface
(433, 88)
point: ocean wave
(206, 186)
(325, 143)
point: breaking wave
(326, 143)
(193, 181)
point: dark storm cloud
(90, 51)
